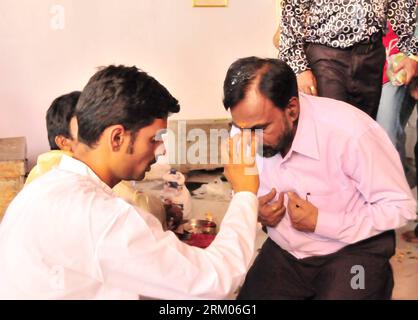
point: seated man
(67, 236)
(332, 189)
(61, 125)
(59, 119)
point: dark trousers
(351, 75)
(277, 275)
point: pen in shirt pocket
(306, 198)
(307, 195)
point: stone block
(13, 166)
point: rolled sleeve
(291, 49)
(137, 256)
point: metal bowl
(196, 226)
(198, 233)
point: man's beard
(285, 140)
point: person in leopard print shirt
(335, 46)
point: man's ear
(117, 135)
(292, 109)
(63, 143)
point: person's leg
(395, 108)
(330, 70)
(359, 271)
(416, 152)
(365, 80)
(389, 111)
(274, 276)
(407, 106)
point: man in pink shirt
(332, 189)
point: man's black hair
(121, 95)
(276, 80)
(59, 115)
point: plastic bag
(216, 189)
(176, 193)
(399, 78)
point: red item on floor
(200, 240)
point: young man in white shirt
(67, 236)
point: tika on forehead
(240, 77)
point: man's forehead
(251, 111)
(248, 125)
(158, 126)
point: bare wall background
(187, 49)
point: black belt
(367, 46)
(362, 47)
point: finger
(267, 197)
(294, 199)
(400, 66)
(237, 146)
(271, 213)
(274, 205)
(313, 90)
(250, 159)
(292, 207)
(248, 147)
(315, 83)
(231, 150)
(273, 219)
(306, 90)
(225, 151)
(302, 87)
(243, 144)
(253, 145)
(281, 212)
(408, 78)
(280, 201)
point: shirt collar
(78, 167)
(306, 139)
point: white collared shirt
(67, 236)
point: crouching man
(67, 236)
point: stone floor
(405, 265)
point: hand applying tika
(302, 213)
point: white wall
(187, 49)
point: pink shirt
(351, 172)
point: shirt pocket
(334, 201)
